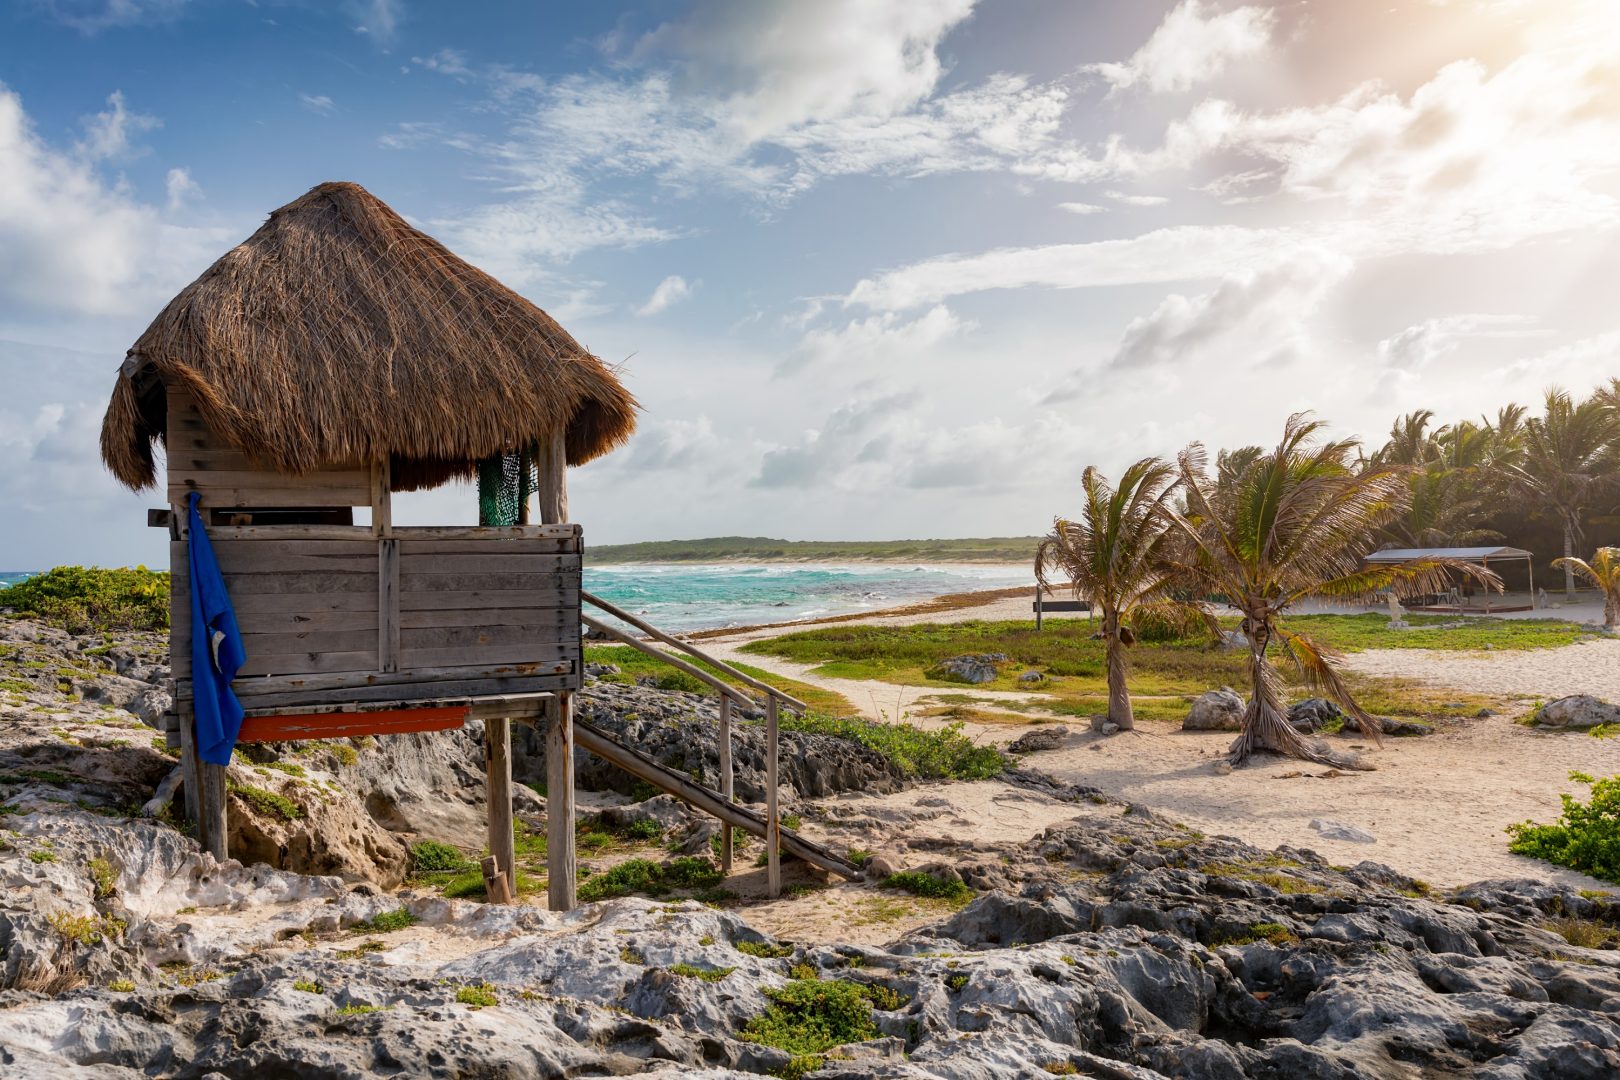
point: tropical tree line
(1260, 530)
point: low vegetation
(84, 599)
(479, 996)
(386, 921)
(929, 886)
(648, 878)
(810, 1016)
(1586, 836)
(266, 802)
(635, 665)
(942, 754)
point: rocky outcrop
(1577, 712)
(973, 668)
(1215, 710)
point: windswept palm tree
(1295, 523)
(1569, 460)
(1114, 554)
(1603, 571)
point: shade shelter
(1482, 556)
(338, 356)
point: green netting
(505, 483)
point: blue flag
(216, 649)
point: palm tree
(1604, 572)
(1295, 523)
(1114, 554)
(1569, 458)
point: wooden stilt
(726, 781)
(497, 890)
(211, 811)
(560, 868)
(498, 794)
(188, 764)
(773, 820)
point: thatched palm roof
(339, 334)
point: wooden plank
(354, 661)
(299, 683)
(239, 585)
(413, 583)
(554, 545)
(496, 562)
(472, 655)
(1059, 605)
(476, 636)
(503, 599)
(309, 605)
(224, 533)
(727, 782)
(497, 889)
(480, 532)
(552, 619)
(345, 725)
(257, 643)
(300, 622)
(561, 868)
(268, 497)
(388, 632)
(498, 799)
(269, 557)
(349, 479)
(382, 499)
(773, 817)
(408, 692)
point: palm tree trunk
(1119, 697)
(1569, 568)
(1611, 611)
(1265, 721)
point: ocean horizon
(682, 597)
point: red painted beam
(292, 727)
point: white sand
(1591, 667)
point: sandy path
(1591, 667)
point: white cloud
(1128, 199)
(75, 243)
(316, 102)
(1433, 339)
(1580, 364)
(1082, 208)
(1194, 44)
(452, 62)
(1185, 253)
(658, 445)
(672, 290)
(180, 187)
(90, 17)
(879, 339)
(377, 19)
(108, 135)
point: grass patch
(480, 996)
(945, 754)
(764, 950)
(1586, 837)
(309, 987)
(121, 986)
(633, 664)
(1273, 933)
(437, 857)
(648, 878)
(1265, 870)
(1584, 933)
(357, 1010)
(386, 922)
(810, 1016)
(365, 948)
(692, 971)
(918, 883)
(41, 855)
(265, 802)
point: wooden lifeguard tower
(338, 356)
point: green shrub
(309, 987)
(692, 971)
(386, 921)
(435, 856)
(104, 876)
(918, 883)
(691, 872)
(121, 986)
(358, 1010)
(764, 950)
(266, 802)
(809, 1016)
(481, 996)
(636, 875)
(942, 754)
(1585, 838)
(82, 599)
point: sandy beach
(1436, 806)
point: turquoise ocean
(703, 596)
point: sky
(873, 268)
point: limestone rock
(1578, 711)
(1338, 830)
(1216, 710)
(971, 668)
(1042, 738)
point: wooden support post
(1037, 607)
(192, 779)
(560, 868)
(726, 781)
(498, 793)
(551, 462)
(211, 811)
(773, 820)
(497, 889)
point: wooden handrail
(692, 650)
(675, 662)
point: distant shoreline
(1002, 550)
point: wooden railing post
(726, 781)
(1037, 607)
(502, 877)
(560, 866)
(773, 821)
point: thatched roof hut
(338, 334)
